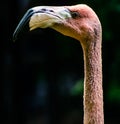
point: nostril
(43, 9)
(51, 10)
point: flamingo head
(78, 21)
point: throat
(93, 94)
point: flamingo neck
(93, 93)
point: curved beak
(42, 17)
(22, 23)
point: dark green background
(42, 72)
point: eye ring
(75, 14)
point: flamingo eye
(75, 14)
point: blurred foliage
(77, 89)
(114, 93)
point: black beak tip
(14, 38)
(22, 23)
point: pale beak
(42, 17)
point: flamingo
(82, 23)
